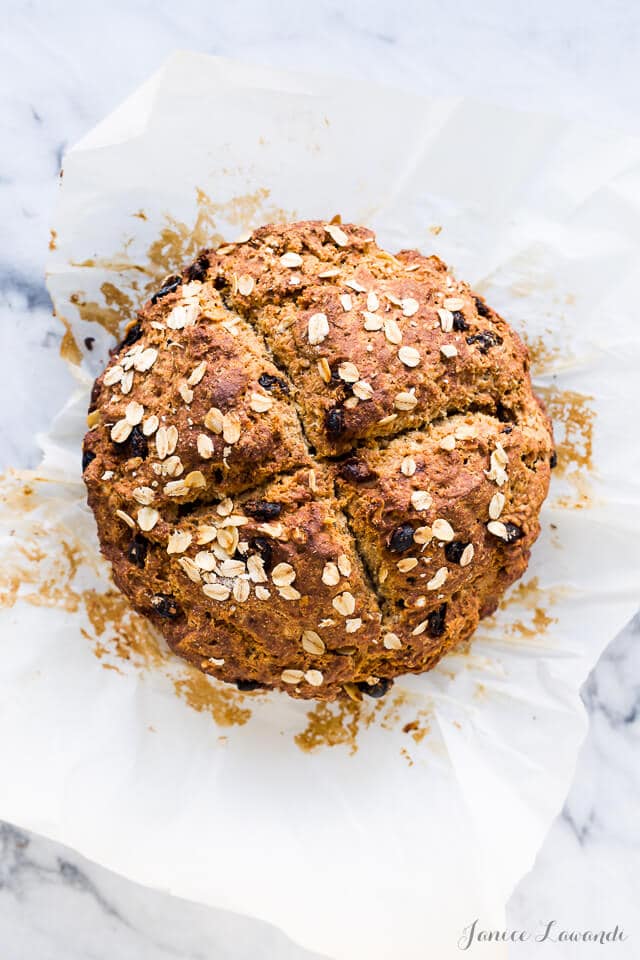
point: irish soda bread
(315, 466)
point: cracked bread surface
(314, 465)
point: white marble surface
(63, 65)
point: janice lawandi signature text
(550, 932)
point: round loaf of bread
(315, 465)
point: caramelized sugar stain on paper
(180, 242)
(341, 722)
(119, 630)
(69, 349)
(30, 573)
(177, 244)
(130, 637)
(533, 608)
(19, 497)
(543, 356)
(331, 725)
(535, 603)
(93, 312)
(114, 313)
(539, 624)
(418, 728)
(224, 704)
(573, 420)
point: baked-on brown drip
(314, 465)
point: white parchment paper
(390, 842)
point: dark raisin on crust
(121, 444)
(87, 457)
(171, 283)
(186, 509)
(137, 550)
(263, 509)
(459, 322)
(454, 550)
(356, 471)
(247, 685)
(335, 380)
(485, 340)
(198, 269)
(262, 546)
(138, 443)
(334, 421)
(553, 462)
(165, 606)
(401, 538)
(133, 333)
(375, 690)
(95, 395)
(482, 308)
(268, 382)
(436, 621)
(513, 532)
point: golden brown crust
(314, 465)
(387, 320)
(425, 521)
(200, 403)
